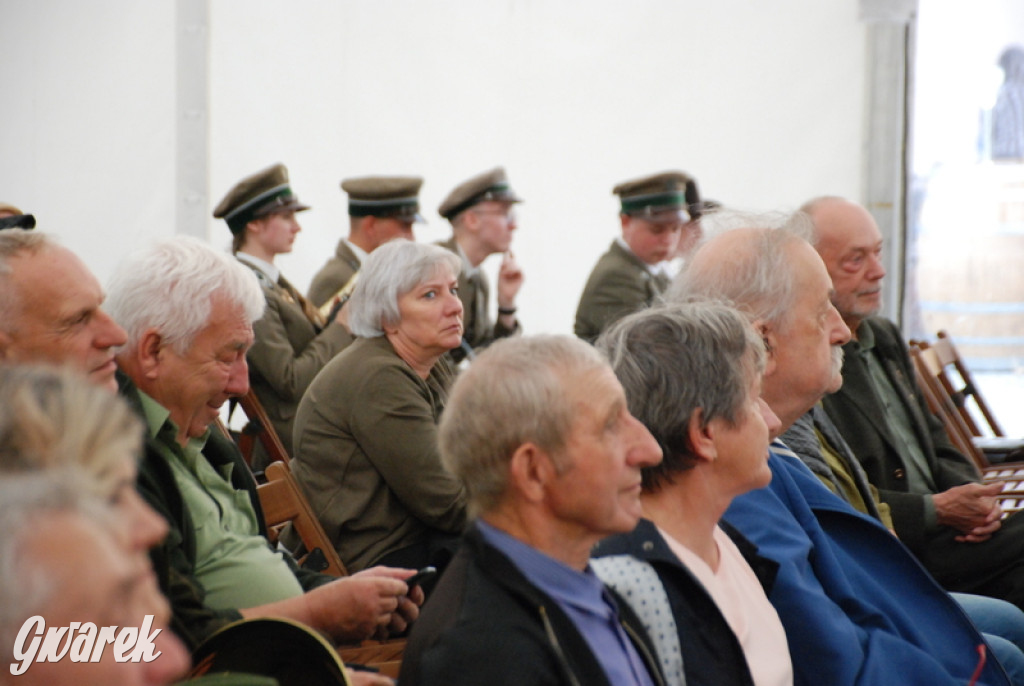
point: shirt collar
(655, 269)
(560, 581)
(356, 250)
(160, 425)
(865, 338)
(272, 272)
(467, 268)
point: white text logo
(82, 642)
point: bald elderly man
(940, 509)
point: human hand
(357, 607)
(972, 509)
(510, 280)
(408, 604)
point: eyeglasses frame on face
(507, 214)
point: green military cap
(490, 185)
(384, 196)
(263, 193)
(662, 192)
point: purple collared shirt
(586, 601)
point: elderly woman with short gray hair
(366, 430)
(692, 374)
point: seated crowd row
(569, 491)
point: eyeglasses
(508, 215)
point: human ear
(530, 470)
(702, 436)
(149, 353)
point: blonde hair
(54, 418)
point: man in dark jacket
(940, 510)
(551, 468)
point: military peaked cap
(490, 185)
(384, 196)
(672, 190)
(256, 196)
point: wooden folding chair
(283, 503)
(259, 428)
(925, 369)
(955, 378)
(1011, 474)
(964, 391)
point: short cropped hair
(27, 585)
(760, 281)
(678, 359)
(514, 393)
(14, 242)
(53, 418)
(391, 271)
(171, 287)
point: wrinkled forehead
(845, 224)
(55, 276)
(592, 387)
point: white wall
(87, 124)
(762, 102)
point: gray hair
(758, 280)
(678, 359)
(27, 584)
(52, 418)
(391, 271)
(171, 287)
(14, 242)
(513, 393)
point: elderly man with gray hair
(551, 467)
(857, 608)
(188, 311)
(50, 308)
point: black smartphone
(421, 576)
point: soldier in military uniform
(292, 342)
(655, 213)
(481, 214)
(380, 208)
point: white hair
(171, 286)
(391, 271)
(759, 281)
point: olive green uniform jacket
(333, 275)
(287, 353)
(367, 455)
(619, 284)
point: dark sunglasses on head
(18, 221)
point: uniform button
(648, 546)
(899, 474)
